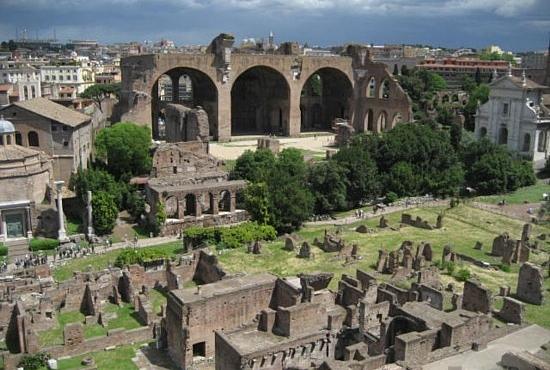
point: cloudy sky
(513, 24)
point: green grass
(463, 226)
(102, 261)
(73, 226)
(529, 194)
(126, 319)
(119, 358)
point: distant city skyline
(513, 25)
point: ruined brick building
(243, 93)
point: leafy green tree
(291, 201)
(253, 166)
(362, 174)
(98, 92)
(421, 85)
(456, 136)
(404, 70)
(328, 182)
(256, 197)
(135, 204)
(96, 180)
(402, 180)
(104, 213)
(445, 114)
(479, 94)
(124, 149)
(468, 84)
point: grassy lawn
(528, 194)
(102, 261)
(126, 319)
(463, 226)
(119, 358)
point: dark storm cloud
(513, 24)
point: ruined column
(292, 128)
(215, 205)
(29, 222)
(233, 203)
(181, 209)
(61, 234)
(3, 235)
(198, 205)
(89, 214)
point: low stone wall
(115, 337)
(175, 227)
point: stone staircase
(17, 248)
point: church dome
(6, 127)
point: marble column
(89, 210)
(61, 233)
(3, 235)
(233, 202)
(28, 219)
(215, 205)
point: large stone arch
(325, 95)
(204, 93)
(260, 101)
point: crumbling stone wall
(476, 298)
(530, 284)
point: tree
(104, 213)
(395, 70)
(404, 70)
(124, 149)
(253, 166)
(291, 201)
(468, 84)
(328, 182)
(256, 197)
(479, 95)
(98, 92)
(445, 114)
(362, 174)
(402, 180)
(95, 180)
(478, 76)
(456, 136)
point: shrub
(450, 267)
(43, 244)
(463, 274)
(391, 197)
(34, 362)
(3, 250)
(505, 267)
(131, 256)
(229, 237)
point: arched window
(382, 121)
(165, 88)
(33, 92)
(185, 88)
(33, 139)
(26, 92)
(483, 132)
(18, 138)
(503, 136)
(384, 90)
(526, 143)
(371, 89)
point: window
(503, 136)
(526, 143)
(47, 78)
(60, 78)
(483, 132)
(65, 143)
(505, 109)
(65, 128)
(33, 91)
(371, 88)
(54, 127)
(26, 92)
(33, 139)
(18, 138)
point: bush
(505, 267)
(450, 267)
(3, 250)
(463, 274)
(34, 362)
(43, 244)
(131, 256)
(229, 237)
(391, 197)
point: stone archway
(260, 101)
(326, 95)
(186, 86)
(224, 204)
(190, 205)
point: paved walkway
(528, 339)
(371, 214)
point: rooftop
(223, 287)
(47, 108)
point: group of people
(359, 213)
(29, 260)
